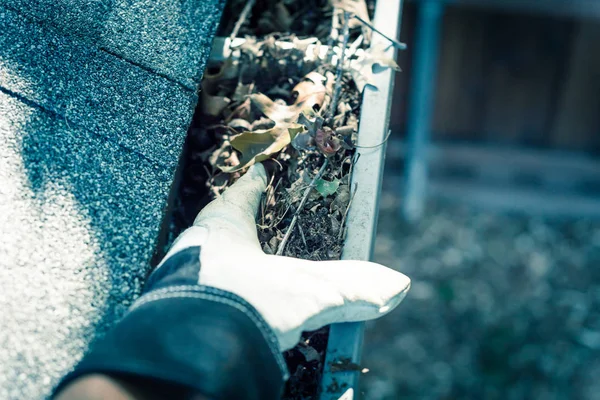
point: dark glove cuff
(200, 337)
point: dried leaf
(248, 46)
(295, 129)
(303, 141)
(310, 94)
(239, 124)
(267, 249)
(242, 111)
(335, 224)
(361, 68)
(346, 130)
(262, 123)
(303, 44)
(221, 154)
(327, 188)
(274, 243)
(311, 124)
(378, 54)
(258, 146)
(325, 141)
(212, 103)
(277, 112)
(315, 77)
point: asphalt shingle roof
(95, 100)
(171, 38)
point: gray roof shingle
(126, 104)
(167, 37)
(93, 116)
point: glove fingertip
(403, 288)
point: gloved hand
(292, 295)
(217, 312)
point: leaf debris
(271, 99)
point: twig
(332, 34)
(340, 66)
(241, 20)
(341, 232)
(300, 208)
(397, 44)
(302, 235)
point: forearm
(187, 336)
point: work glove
(217, 312)
(291, 294)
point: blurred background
(490, 204)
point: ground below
(501, 307)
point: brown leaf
(325, 141)
(303, 141)
(346, 130)
(361, 68)
(258, 146)
(277, 112)
(249, 46)
(310, 94)
(221, 154)
(242, 111)
(239, 124)
(378, 54)
(304, 44)
(312, 124)
(262, 123)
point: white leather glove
(292, 295)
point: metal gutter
(345, 340)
